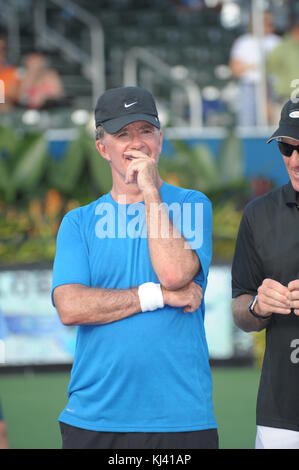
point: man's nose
(136, 142)
(295, 156)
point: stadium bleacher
(195, 40)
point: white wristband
(150, 296)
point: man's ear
(102, 149)
(160, 141)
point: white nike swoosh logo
(129, 105)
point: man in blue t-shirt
(131, 271)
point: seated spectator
(9, 77)
(40, 85)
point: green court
(32, 402)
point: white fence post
(2, 92)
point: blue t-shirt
(148, 372)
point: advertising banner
(31, 332)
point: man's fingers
(196, 286)
(281, 295)
(276, 298)
(293, 295)
(282, 311)
(133, 169)
(293, 285)
(189, 309)
(188, 297)
(197, 296)
(275, 286)
(192, 307)
(136, 154)
(271, 300)
(135, 164)
(272, 306)
(131, 176)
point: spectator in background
(9, 77)
(40, 85)
(247, 55)
(283, 67)
(3, 433)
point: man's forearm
(243, 318)
(174, 263)
(80, 305)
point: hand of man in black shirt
(293, 288)
(273, 297)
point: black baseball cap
(119, 107)
(289, 122)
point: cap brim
(285, 131)
(114, 125)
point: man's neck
(131, 195)
(128, 192)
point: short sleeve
(197, 230)
(71, 264)
(247, 267)
(237, 51)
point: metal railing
(11, 21)
(93, 64)
(257, 9)
(140, 54)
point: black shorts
(78, 438)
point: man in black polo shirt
(265, 290)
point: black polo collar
(290, 195)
